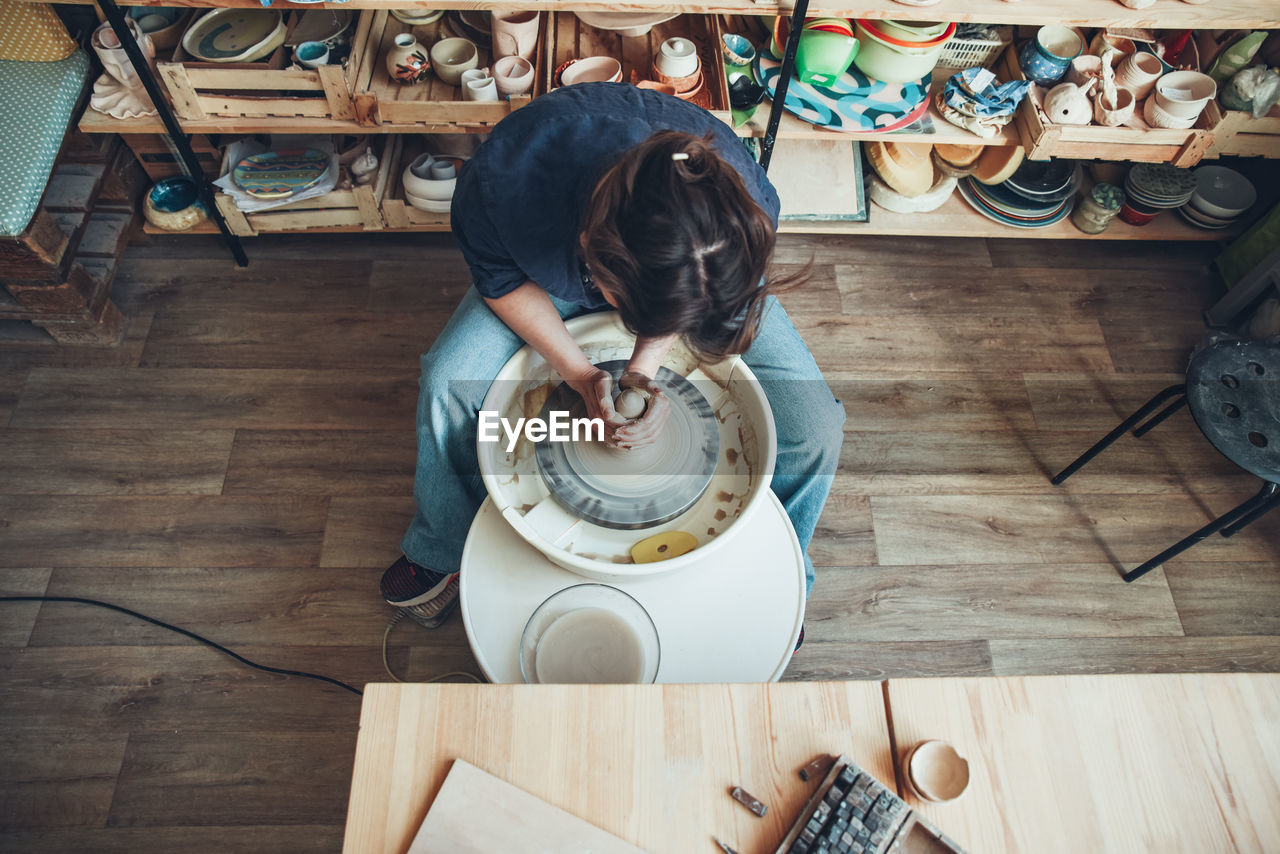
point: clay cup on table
(450, 57)
(513, 76)
(515, 34)
(592, 69)
(936, 772)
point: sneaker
(799, 640)
(427, 596)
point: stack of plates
(1151, 188)
(1037, 195)
(1221, 197)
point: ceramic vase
(119, 93)
(515, 34)
(407, 61)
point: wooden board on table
(1089, 763)
(476, 813)
(651, 764)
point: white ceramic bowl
(936, 772)
(592, 69)
(425, 204)
(744, 469)
(1184, 93)
(450, 57)
(1222, 193)
(440, 190)
(1158, 117)
(513, 75)
(618, 604)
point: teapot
(1068, 104)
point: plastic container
(889, 58)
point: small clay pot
(936, 772)
(513, 76)
(1117, 114)
(174, 204)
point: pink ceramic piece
(407, 61)
(592, 69)
(515, 34)
(664, 88)
(513, 75)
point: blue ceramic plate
(1003, 198)
(855, 103)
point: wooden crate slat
(235, 78)
(1236, 132)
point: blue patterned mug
(1046, 58)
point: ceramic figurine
(1068, 104)
(119, 93)
(407, 61)
(364, 167)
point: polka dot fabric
(34, 113)
(32, 32)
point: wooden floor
(242, 466)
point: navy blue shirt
(518, 204)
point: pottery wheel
(642, 487)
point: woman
(594, 196)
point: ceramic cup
(1118, 113)
(312, 54)
(824, 55)
(1138, 73)
(677, 57)
(480, 89)
(451, 57)
(443, 170)
(1045, 58)
(737, 51)
(513, 75)
(514, 34)
(1083, 69)
(592, 69)
(1185, 93)
(420, 167)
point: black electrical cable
(162, 624)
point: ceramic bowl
(628, 25)
(440, 190)
(1185, 93)
(450, 57)
(163, 25)
(1199, 217)
(737, 50)
(514, 75)
(680, 84)
(1133, 217)
(664, 88)
(936, 772)
(623, 611)
(235, 35)
(892, 61)
(174, 204)
(1157, 116)
(417, 17)
(1221, 192)
(592, 69)
(431, 205)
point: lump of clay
(631, 403)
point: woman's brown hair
(675, 239)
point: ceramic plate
(1006, 199)
(976, 203)
(1050, 180)
(278, 175)
(855, 103)
(320, 25)
(1159, 180)
(235, 35)
(1198, 224)
(639, 22)
(1153, 200)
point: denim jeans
(476, 344)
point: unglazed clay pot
(407, 60)
(1068, 104)
(453, 56)
(1114, 113)
(513, 75)
(515, 34)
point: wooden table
(1097, 763)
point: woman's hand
(645, 429)
(595, 387)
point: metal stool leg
(1253, 515)
(1158, 419)
(1102, 444)
(1241, 511)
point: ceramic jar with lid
(407, 60)
(1096, 209)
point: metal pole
(784, 81)
(180, 140)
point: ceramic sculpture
(1068, 104)
(119, 92)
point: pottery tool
(663, 546)
(638, 488)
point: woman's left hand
(645, 429)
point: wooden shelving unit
(953, 218)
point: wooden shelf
(1165, 14)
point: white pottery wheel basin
(744, 469)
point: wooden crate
(160, 160)
(431, 104)
(1043, 139)
(271, 88)
(1236, 132)
(570, 39)
(355, 209)
(396, 212)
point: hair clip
(680, 155)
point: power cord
(153, 621)
(391, 624)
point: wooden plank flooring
(242, 466)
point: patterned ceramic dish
(854, 103)
(280, 174)
(235, 35)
